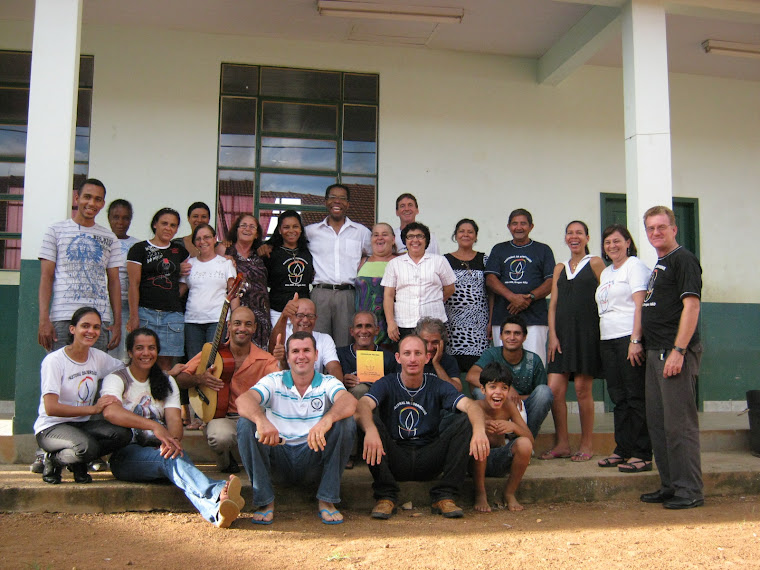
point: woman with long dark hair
(574, 340)
(64, 428)
(147, 400)
(289, 264)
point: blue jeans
(537, 405)
(296, 463)
(170, 328)
(143, 464)
(198, 334)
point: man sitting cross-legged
(298, 425)
(403, 440)
(509, 436)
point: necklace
(292, 252)
(412, 393)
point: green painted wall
(8, 322)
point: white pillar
(52, 119)
(647, 115)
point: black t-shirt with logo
(675, 276)
(290, 272)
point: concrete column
(647, 115)
(48, 177)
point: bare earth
(725, 533)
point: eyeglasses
(415, 236)
(248, 227)
(341, 198)
(310, 316)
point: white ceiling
(524, 28)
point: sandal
(611, 461)
(551, 454)
(579, 457)
(637, 466)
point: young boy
(509, 436)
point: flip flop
(635, 466)
(579, 457)
(610, 461)
(551, 454)
(263, 513)
(331, 513)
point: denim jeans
(82, 442)
(296, 464)
(198, 334)
(143, 464)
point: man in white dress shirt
(337, 245)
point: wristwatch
(532, 296)
(635, 341)
(679, 350)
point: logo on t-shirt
(650, 286)
(408, 420)
(317, 404)
(517, 268)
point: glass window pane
(86, 69)
(363, 198)
(15, 67)
(310, 154)
(82, 144)
(359, 139)
(11, 177)
(10, 254)
(300, 119)
(308, 189)
(240, 79)
(268, 218)
(237, 139)
(235, 198)
(14, 106)
(13, 141)
(84, 107)
(300, 83)
(360, 87)
(10, 216)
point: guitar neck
(218, 334)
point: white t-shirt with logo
(614, 297)
(207, 288)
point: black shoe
(659, 496)
(51, 471)
(38, 465)
(80, 473)
(233, 467)
(683, 503)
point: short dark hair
(232, 233)
(120, 203)
(200, 227)
(160, 213)
(462, 222)
(196, 205)
(416, 226)
(331, 186)
(93, 182)
(496, 372)
(413, 335)
(300, 335)
(521, 212)
(623, 231)
(515, 320)
(407, 195)
(585, 228)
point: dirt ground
(724, 533)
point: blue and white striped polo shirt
(292, 414)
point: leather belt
(341, 287)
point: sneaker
(38, 465)
(51, 472)
(99, 465)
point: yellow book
(369, 365)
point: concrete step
(725, 473)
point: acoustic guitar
(207, 403)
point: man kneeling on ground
(509, 436)
(403, 440)
(299, 425)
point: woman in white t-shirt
(70, 376)
(210, 277)
(147, 400)
(621, 291)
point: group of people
(319, 300)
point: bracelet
(635, 341)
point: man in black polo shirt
(669, 317)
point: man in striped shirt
(297, 424)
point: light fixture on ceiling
(731, 48)
(373, 11)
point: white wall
(469, 135)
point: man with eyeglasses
(669, 318)
(337, 245)
(300, 315)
